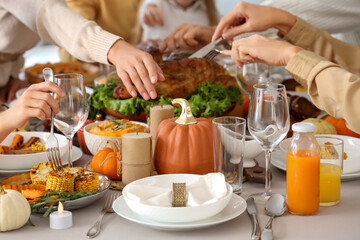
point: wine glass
(250, 74)
(73, 108)
(268, 121)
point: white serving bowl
(175, 214)
(252, 150)
(27, 161)
(96, 142)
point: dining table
(336, 222)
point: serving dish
(104, 185)
(96, 142)
(27, 161)
(160, 184)
(233, 209)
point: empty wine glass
(268, 121)
(250, 74)
(73, 108)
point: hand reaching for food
(137, 69)
(153, 16)
(257, 48)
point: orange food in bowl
(116, 128)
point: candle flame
(60, 208)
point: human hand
(257, 48)
(246, 17)
(153, 16)
(8, 92)
(36, 101)
(187, 36)
(135, 67)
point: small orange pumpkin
(340, 126)
(184, 144)
(107, 161)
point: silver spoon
(275, 206)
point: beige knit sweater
(24, 23)
(330, 71)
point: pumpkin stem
(114, 145)
(186, 117)
(320, 116)
(2, 191)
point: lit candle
(61, 219)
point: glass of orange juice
(331, 168)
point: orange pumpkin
(107, 162)
(184, 144)
(340, 126)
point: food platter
(104, 185)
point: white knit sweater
(340, 18)
(24, 22)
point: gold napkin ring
(179, 195)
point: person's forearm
(330, 87)
(310, 38)
(5, 125)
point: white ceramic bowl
(252, 150)
(27, 161)
(174, 214)
(96, 142)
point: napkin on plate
(207, 189)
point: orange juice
(329, 184)
(303, 181)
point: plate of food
(351, 166)
(23, 150)
(44, 188)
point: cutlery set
(275, 206)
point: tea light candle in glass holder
(61, 219)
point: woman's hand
(36, 101)
(187, 36)
(257, 48)
(246, 17)
(136, 69)
(153, 16)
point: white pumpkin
(14, 210)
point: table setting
(200, 164)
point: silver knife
(206, 49)
(251, 209)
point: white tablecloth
(338, 222)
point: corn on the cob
(87, 182)
(74, 170)
(19, 188)
(60, 181)
(38, 147)
(39, 173)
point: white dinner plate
(235, 207)
(351, 166)
(76, 155)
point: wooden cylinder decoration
(136, 156)
(158, 113)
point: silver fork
(213, 53)
(52, 144)
(107, 208)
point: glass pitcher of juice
(303, 170)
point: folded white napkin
(207, 189)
